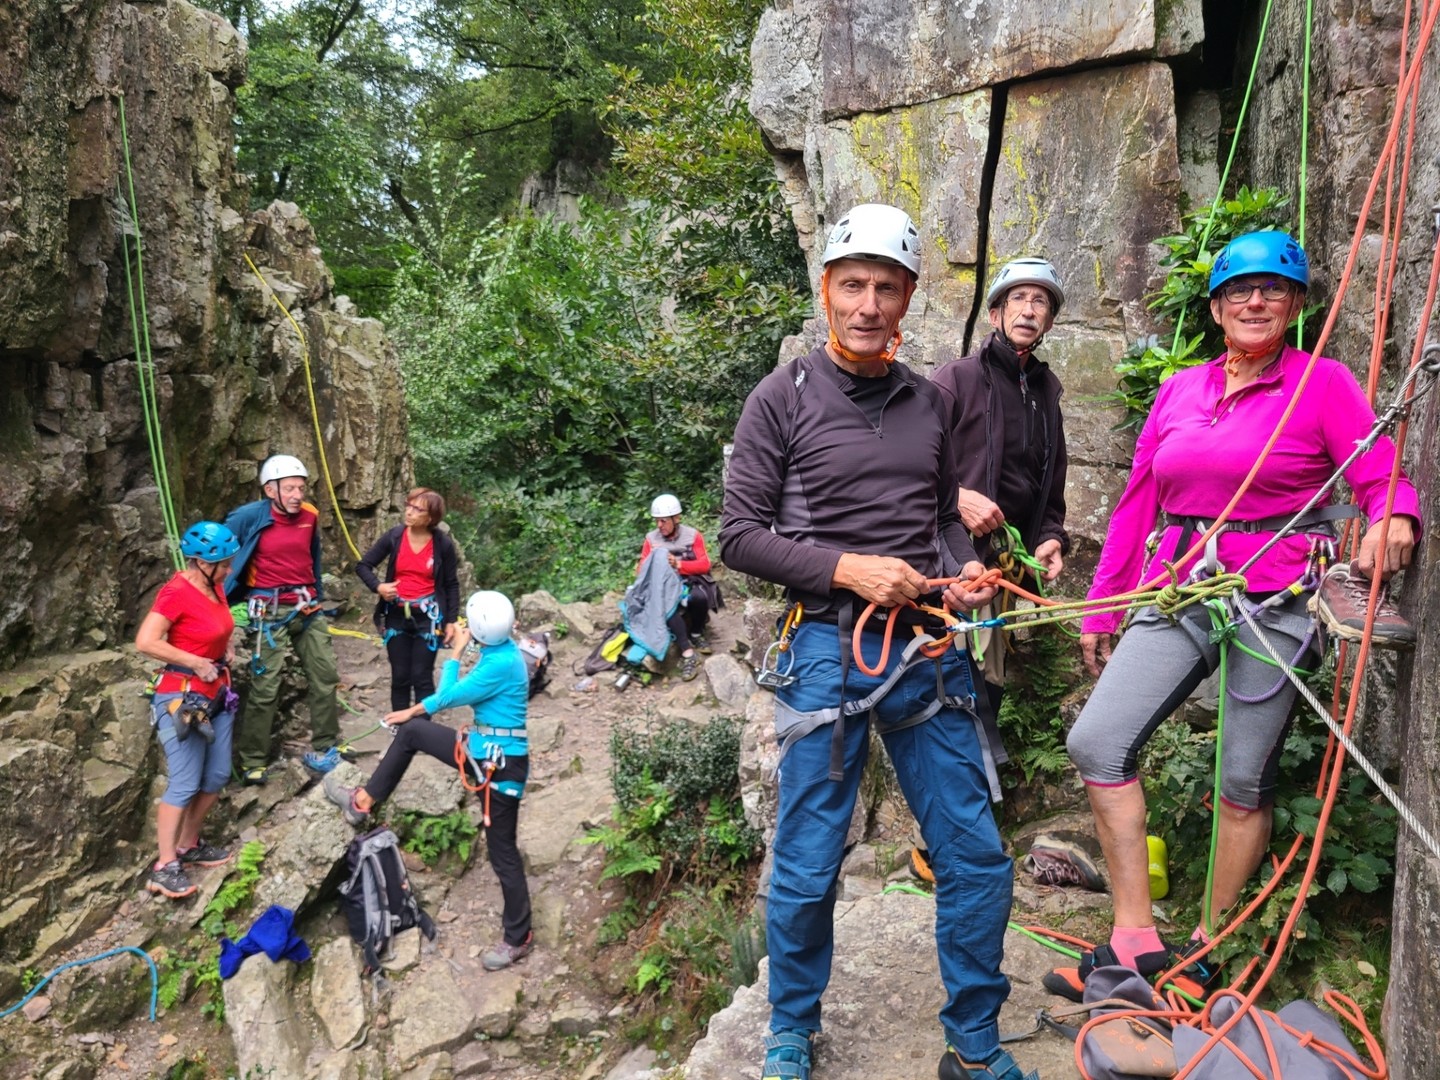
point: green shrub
(1181, 306)
(432, 837)
(1039, 676)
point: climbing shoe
(169, 880)
(998, 1066)
(505, 954)
(1053, 861)
(321, 762)
(787, 1055)
(1195, 980)
(254, 777)
(344, 798)
(689, 667)
(1341, 602)
(203, 854)
(701, 643)
(920, 865)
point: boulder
(302, 850)
(730, 681)
(337, 993)
(270, 1036)
(428, 1013)
(557, 815)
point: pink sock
(1200, 935)
(1132, 941)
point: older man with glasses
(1010, 453)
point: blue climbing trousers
(939, 766)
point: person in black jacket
(419, 596)
(842, 488)
(1008, 435)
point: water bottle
(1159, 875)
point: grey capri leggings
(1155, 667)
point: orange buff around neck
(895, 339)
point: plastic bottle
(1159, 874)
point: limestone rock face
(81, 540)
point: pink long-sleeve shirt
(1198, 446)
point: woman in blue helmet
(1209, 426)
(189, 628)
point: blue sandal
(787, 1055)
(1000, 1066)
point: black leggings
(412, 661)
(437, 740)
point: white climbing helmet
(665, 506)
(280, 466)
(876, 232)
(491, 617)
(1026, 272)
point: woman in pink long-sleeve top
(1208, 427)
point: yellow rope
(337, 632)
(314, 411)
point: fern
(236, 892)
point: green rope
(1234, 147)
(144, 356)
(1049, 943)
(1220, 621)
(1304, 142)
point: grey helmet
(1027, 272)
(876, 232)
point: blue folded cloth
(273, 933)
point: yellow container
(1159, 875)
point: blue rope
(154, 978)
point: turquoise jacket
(497, 689)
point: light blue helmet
(1271, 252)
(209, 540)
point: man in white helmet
(278, 571)
(496, 755)
(841, 489)
(1009, 436)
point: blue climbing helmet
(1270, 252)
(209, 540)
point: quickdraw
(260, 612)
(771, 675)
(484, 769)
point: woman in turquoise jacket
(494, 750)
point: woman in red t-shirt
(189, 628)
(419, 596)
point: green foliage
(235, 893)
(1181, 304)
(174, 971)
(1039, 676)
(29, 979)
(207, 978)
(433, 837)
(679, 841)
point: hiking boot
(1194, 980)
(505, 954)
(787, 1055)
(169, 880)
(998, 1066)
(254, 776)
(321, 762)
(1341, 602)
(1053, 861)
(344, 797)
(203, 854)
(920, 865)
(701, 643)
(689, 667)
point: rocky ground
(563, 1011)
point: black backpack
(535, 648)
(377, 898)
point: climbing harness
(263, 618)
(483, 768)
(771, 675)
(429, 607)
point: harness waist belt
(1321, 515)
(498, 732)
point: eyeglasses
(1239, 292)
(1040, 302)
(416, 507)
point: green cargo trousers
(310, 638)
